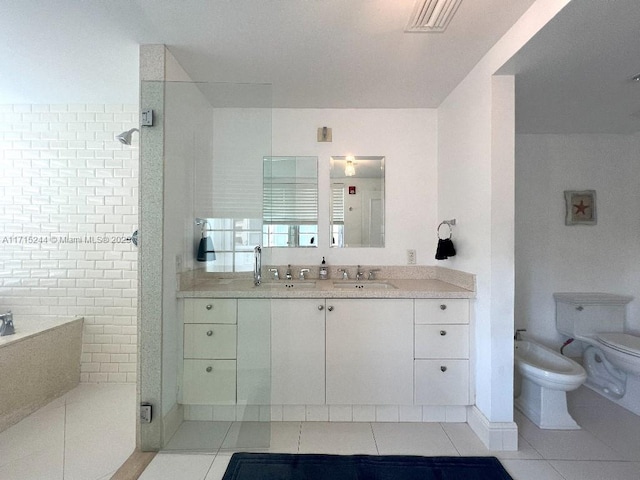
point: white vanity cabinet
(209, 375)
(441, 350)
(369, 351)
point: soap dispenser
(323, 275)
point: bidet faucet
(288, 275)
(518, 335)
(359, 273)
(7, 324)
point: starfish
(581, 208)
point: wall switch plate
(145, 412)
(411, 257)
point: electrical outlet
(411, 257)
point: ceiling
(315, 53)
(573, 77)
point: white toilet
(597, 319)
(547, 376)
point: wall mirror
(290, 202)
(357, 202)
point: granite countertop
(438, 284)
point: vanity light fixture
(349, 169)
(432, 15)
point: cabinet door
(209, 341)
(210, 310)
(445, 310)
(369, 352)
(442, 382)
(209, 382)
(297, 352)
(254, 351)
(442, 341)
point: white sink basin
(294, 284)
(365, 285)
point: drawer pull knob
(443, 307)
(443, 332)
(320, 307)
(443, 368)
(580, 308)
(209, 307)
(209, 369)
(330, 308)
(209, 333)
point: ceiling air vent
(432, 15)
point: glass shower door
(216, 355)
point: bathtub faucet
(7, 324)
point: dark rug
(281, 466)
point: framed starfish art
(581, 207)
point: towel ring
(450, 231)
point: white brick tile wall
(66, 182)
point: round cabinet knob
(443, 368)
(443, 332)
(320, 307)
(443, 307)
(580, 308)
(209, 333)
(209, 369)
(209, 307)
(330, 308)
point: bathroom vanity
(329, 350)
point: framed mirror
(357, 202)
(290, 202)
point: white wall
(553, 257)
(407, 139)
(474, 176)
(63, 177)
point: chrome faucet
(302, 272)
(359, 273)
(372, 273)
(257, 265)
(345, 274)
(274, 274)
(288, 275)
(7, 324)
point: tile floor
(607, 448)
(89, 432)
(83, 435)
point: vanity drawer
(441, 382)
(442, 341)
(210, 310)
(209, 382)
(445, 310)
(209, 341)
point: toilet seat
(622, 342)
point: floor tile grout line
(444, 430)
(373, 433)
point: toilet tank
(580, 314)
